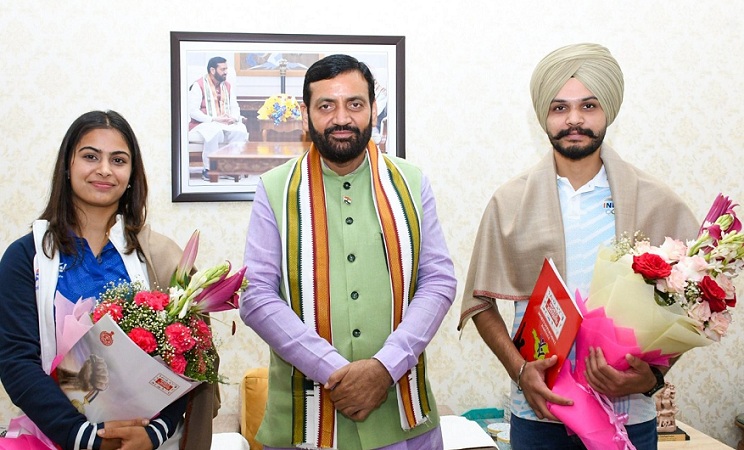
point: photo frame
(264, 79)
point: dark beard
(336, 151)
(577, 152)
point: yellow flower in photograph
(280, 108)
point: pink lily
(721, 219)
(183, 270)
(715, 232)
(221, 295)
(722, 206)
(735, 226)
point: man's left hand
(607, 380)
(359, 388)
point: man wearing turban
(579, 197)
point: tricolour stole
(306, 274)
(216, 105)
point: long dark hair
(60, 210)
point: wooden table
(281, 127)
(252, 158)
(698, 440)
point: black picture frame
(255, 73)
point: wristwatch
(659, 382)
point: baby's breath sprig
(121, 291)
(625, 244)
(143, 316)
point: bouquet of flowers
(697, 277)
(94, 366)
(280, 108)
(653, 302)
(172, 325)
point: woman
(91, 232)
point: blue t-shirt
(85, 275)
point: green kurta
(361, 305)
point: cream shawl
(522, 225)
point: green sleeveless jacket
(361, 304)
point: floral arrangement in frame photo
(212, 161)
(280, 108)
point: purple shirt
(269, 315)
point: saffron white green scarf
(217, 105)
(306, 270)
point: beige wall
(469, 125)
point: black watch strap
(659, 382)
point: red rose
(179, 336)
(144, 339)
(731, 302)
(713, 294)
(651, 266)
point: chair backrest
(254, 389)
(383, 135)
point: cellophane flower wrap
(653, 302)
(280, 108)
(173, 325)
(167, 325)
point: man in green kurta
(350, 279)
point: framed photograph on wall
(235, 105)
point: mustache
(330, 130)
(584, 131)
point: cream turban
(591, 64)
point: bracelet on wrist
(519, 376)
(659, 382)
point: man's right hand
(227, 120)
(359, 388)
(536, 392)
(493, 330)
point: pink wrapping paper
(24, 442)
(73, 321)
(588, 417)
(592, 417)
(599, 331)
(24, 435)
